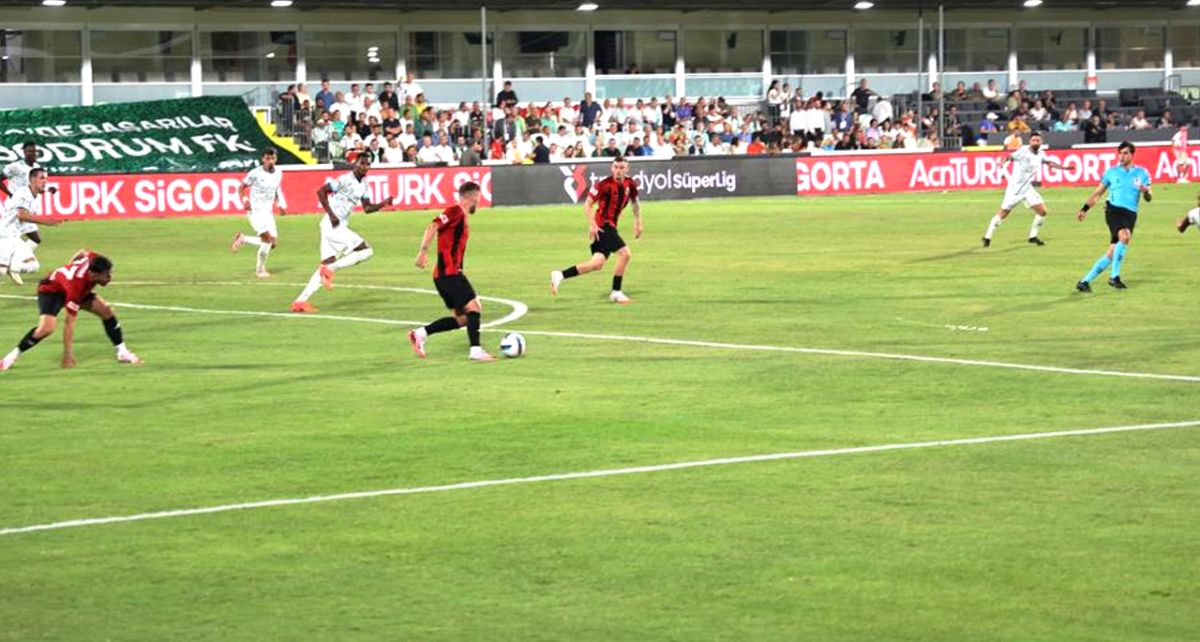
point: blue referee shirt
(1123, 185)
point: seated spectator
(1166, 121)
(426, 154)
(976, 93)
(1013, 102)
(935, 93)
(632, 68)
(987, 125)
(444, 152)
(697, 146)
(756, 145)
(567, 114)
(1013, 141)
(843, 120)
(1139, 121)
(883, 109)
(991, 93)
(610, 150)
(410, 154)
(1085, 112)
(389, 98)
(1095, 130)
(1070, 114)
(1038, 112)
(1063, 124)
(394, 152)
(960, 92)
(1017, 124)
(471, 156)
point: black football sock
(473, 319)
(112, 328)
(444, 324)
(617, 283)
(29, 341)
(570, 272)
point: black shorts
(1118, 218)
(51, 303)
(456, 291)
(608, 242)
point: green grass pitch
(1074, 538)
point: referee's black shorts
(455, 290)
(607, 242)
(1118, 218)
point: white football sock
(264, 249)
(121, 349)
(996, 221)
(251, 240)
(1037, 225)
(31, 243)
(12, 355)
(313, 285)
(353, 258)
(28, 266)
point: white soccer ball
(512, 345)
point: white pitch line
(518, 309)
(864, 354)
(610, 472)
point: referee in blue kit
(1125, 183)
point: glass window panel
(982, 49)
(445, 54)
(808, 52)
(350, 55)
(248, 56)
(543, 53)
(888, 50)
(141, 56)
(1129, 47)
(40, 56)
(723, 51)
(1051, 48)
(619, 51)
(1185, 45)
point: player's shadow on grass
(965, 252)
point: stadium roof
(676, 5)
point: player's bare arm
(589, 209)
(323, 198)
(279, 206)
(371, 208)
(423, 253)
(1091, 200)
(1057, 165)
(25, 216)
(244, 195)
(636, 206)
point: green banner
(216, 133)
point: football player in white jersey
(1190, 219)
(1183, 163)
(260, 194)
(16, 256)
(16, 176)
(1026, 162)
(341, 247)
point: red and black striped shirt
(611, 196)
(452, 241)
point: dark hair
(620, 159)
(1126, 145)
(100, 264)
(29, 144)
(35, 172)
(467, 188)
(1036, 133)
(269, 151)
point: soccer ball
(512, 345)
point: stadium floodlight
(863, 5)
(588, 6)
(53, 3)
(281, 4)
(271, 54)
(1193, 3)
(1033, 3)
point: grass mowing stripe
(612, 472)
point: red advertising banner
(174, 195)
(889, 173)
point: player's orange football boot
(302, 307)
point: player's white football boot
(556, 279)
(126, 356)
(262, 274)
(7, 362)
(619, 298)
(238, 241)
(479, 354)
(416, 339)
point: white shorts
(1014, 198)
(263, 222)
(28, 228)
(14, 251)
(1181, 157)
(337, 241)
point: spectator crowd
(394, 123)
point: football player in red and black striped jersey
(603, 207)
(452, 233)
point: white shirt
(393, 154)
(1180, 139)
(22, 199)
(348, 193)
(407, 140)
(264, 188)
(410, 89)
(567, 115)
(1025, 168)
(883, 111)
(445, 154)
(17, 173)
(1194, 215)
(797, 120)
(355, 101)
(341, 110)
(990, 93)
(428, 155)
